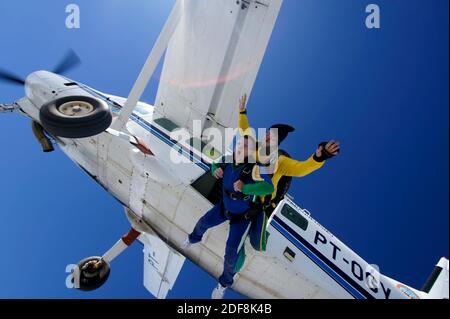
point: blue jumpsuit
(223, 211)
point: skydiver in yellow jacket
(282, 166)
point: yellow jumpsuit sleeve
(243, 123)
(290, 167)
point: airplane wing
(162, 265)
(213, 51)
(212, 59)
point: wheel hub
(76, 108)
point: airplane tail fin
(437, 284)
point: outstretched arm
(290, 167)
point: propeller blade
(70, 61)
(6, 76)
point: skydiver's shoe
(218, 292)
(186, 244)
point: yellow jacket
(285, 166)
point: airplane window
(197, 143)
(294, 216)
(211, 152)
(166, 124)
(208, 150)
(143, 109)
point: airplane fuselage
(303, 259)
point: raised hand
(243, 103)
(327, 150)
(332, 147)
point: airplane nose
(41, 86)
(40, 77)
(36, 88)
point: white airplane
(214, 50)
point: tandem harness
(254, 209)
(282, 188)
(250, 214)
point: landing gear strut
(92, 272)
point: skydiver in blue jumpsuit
(240, 185)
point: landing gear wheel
(93, 273)
(75, 116)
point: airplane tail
(437, 284)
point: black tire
(59, 124)
(91, 280)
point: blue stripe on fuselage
(320, 260)
(154, 130)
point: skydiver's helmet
(268, 154)
(283, 131)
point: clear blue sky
(382, 93)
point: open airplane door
(162, 265)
